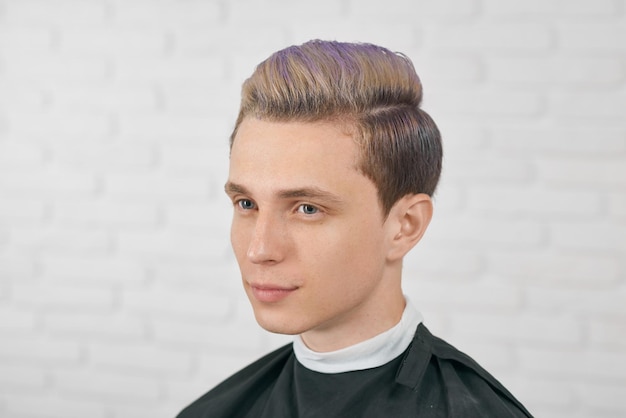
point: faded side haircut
(373, 92)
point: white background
(119, 296)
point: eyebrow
(232, 188)
(311, 192)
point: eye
(246, 204)
(308, 209)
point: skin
(317, 255)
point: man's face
(308, 230)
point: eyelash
(301, 208)
(240, 203)
(306, 205)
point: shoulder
(242, 389)
(454, 382)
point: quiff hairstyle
(373, 92)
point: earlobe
(411, 216)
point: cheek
(355, 251)
(365, 236)
(238, 238)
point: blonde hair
(374, 92)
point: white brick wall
(119, 296)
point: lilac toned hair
(372, 92)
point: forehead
(293, 147)
(274, 159)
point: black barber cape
(430, 379)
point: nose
(267, 241)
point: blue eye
(246, 204)
(308, 209)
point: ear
(408, 219)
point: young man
(332, 169)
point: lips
(270, 293)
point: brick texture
(119, 296)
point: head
(373, 93)
(332, 167)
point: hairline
(348, 124)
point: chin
(277, 324)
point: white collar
(374, 352)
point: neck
(368, 354)
(374, 316)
